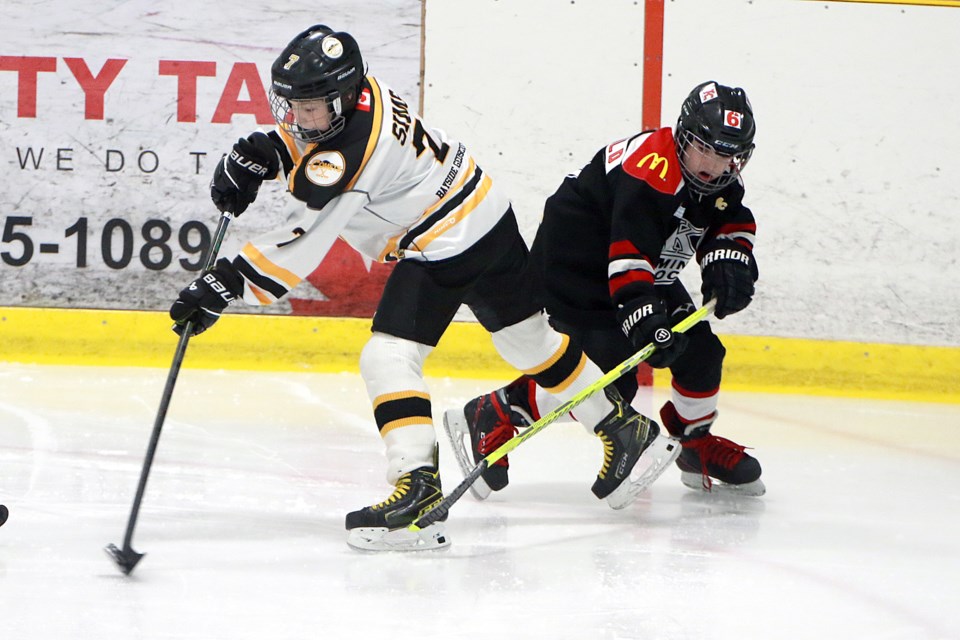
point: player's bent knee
(389, 363)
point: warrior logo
(326, 168)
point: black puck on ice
(4, 514)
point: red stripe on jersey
(623, 249)
(621, 280)
(694, 394)
(728, 229)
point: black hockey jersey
(625, 224)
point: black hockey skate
(634, 453)
(383, 526)
(484, 424)
(706, 458)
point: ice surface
(242, 523)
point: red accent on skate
(716, 450)
(500, 433)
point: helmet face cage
(689, 143)
(285, 113)
(316, 83)
(717, 120)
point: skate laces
(496, 438)
(502, 431)
(607, 453)
(403, 486)
(715, 450)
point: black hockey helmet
(720, 118)
(318, 65)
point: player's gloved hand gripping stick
(451, 498)
(126, 558)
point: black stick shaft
(451, 498)
(168, 392)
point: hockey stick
(126, 558)
(450, 499)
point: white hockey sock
(534, 347)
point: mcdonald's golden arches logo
(656, 160)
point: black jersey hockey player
(371, 171)
(613, 240)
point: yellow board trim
(919, 3)
(289, 343)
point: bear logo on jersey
(326, 168)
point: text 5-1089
(19, 243)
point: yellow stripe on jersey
(459, 214)
(269, 268)
(260, 294)
(374, 131)
(291, 145)
(392, 243)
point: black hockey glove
(728, 270)
(644, 320)
(237, 178)
(206, 298)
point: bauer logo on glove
(204, 299)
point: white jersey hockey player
(369, 170)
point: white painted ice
(858, 536)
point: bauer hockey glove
(728, 270)
(237, 178)
(206, 297)
(644, 320)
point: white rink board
(854, 179)
(144, 149)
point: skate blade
(694, 481)
(455, 424)
(656, 459)
(383, 539)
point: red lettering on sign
(27, 68)
(187, 73)
(243, 74)
(94, 86)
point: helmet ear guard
(719, 118)
(322, 67)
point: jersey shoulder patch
(655, 162)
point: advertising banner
(113, 116)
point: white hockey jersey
(391, 187)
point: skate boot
(383, 526)
(484, 424)
(706, 458)
(634, 453)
